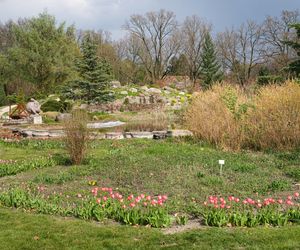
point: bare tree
(241, 50)
(194, 30)
(276, 30)
(158, 40)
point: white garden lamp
(221, 163)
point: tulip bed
(233, 211)
(104, 203)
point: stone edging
(28, 133)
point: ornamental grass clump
(77, 136)
(269, 119)
(214, 116)
(275, 120)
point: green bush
(58, 106)
(269, 79)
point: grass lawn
(182, 169)
(21, 230)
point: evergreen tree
(295, 65)
(210, 67)
(95, 75)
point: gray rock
(158, 135)
(26, 133)
(115, 84)
(40, 133)
(133, 90)
(154, 91)
(114, 135)
(105, 124)
(56, 133)
(144, 88)
(63, 117)
(124, 92)
(139, 134)
(33, 107)
(179, 133)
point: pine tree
(95, 74)
(210, 68)
(295, 65)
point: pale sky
(110, 15)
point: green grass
(21, 230)
(181, 169)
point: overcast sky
(111, 14)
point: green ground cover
(182, 169)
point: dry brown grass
(275, 120)
(269, 120)
(77, 136)
(210, 119)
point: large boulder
(33, 107)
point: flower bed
(104, 203)
(233, 211)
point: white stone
(133, 90)
(154, 91)
(37, 119)
(124, 92)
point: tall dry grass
(275, 120)
(270, 119)
(77, 135)
(211, 116)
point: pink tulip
(132, 204)
(289, 197)
(98, 201)
(104, 198)
(145, 204)
(280, 201)
(142, 196)
(237, 199)
(259, 205)
(124, 206)
(216, 206)
(228, 207)
(222, 206)
(164, 197)
(148, 198)
(296, 194)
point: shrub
(269, 79)
(77, 135)
(54, 105)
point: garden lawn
(20, 230)
(185, 171)
(181, 169)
